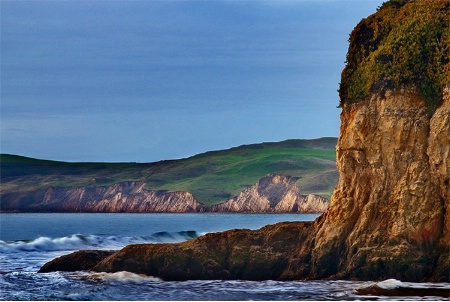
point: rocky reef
(273, 193)
(236, 254)
(389, 214)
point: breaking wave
(122, 277)
(397, 288)
(78, 241)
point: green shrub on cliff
(403, 43)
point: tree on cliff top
(406, 42)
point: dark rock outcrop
(77, 261)
(271, 252)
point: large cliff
(389, 215)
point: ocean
(27, 241)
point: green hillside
(211, 177)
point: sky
(143, 81)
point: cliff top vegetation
(406, 42)
(212, 177)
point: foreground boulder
(389, 214)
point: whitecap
(122, 276)
(390, 284)
(44, 244)
(397, 288)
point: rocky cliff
(389, 214)
(121, 197)
(273, 194)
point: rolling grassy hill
(212, 177)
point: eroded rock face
(121, 197)
(439, 156)
(273, 193)
(387, 216)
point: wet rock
(76, 261)
(271, 252)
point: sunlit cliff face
(388, 216)
(391, 198)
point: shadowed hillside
(212, 177)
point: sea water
(27, 241)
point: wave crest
(122, 277)
(397, 288)
(78, 241)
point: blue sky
(150, 80)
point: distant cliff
(272, 194)
(128, 197)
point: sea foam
(390, 284)
(397, 288)
(122, 277)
